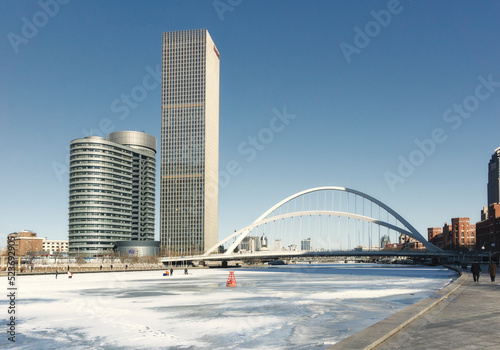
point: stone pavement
(462, 316)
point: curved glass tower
(111, 191)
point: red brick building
(435, 236)
(26, 242)
(488, 229)
(460, 235)
(410, 243)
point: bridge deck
(283, 255)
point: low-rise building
(51, 246)
(408, 242)
(488, 229)
(460, 235)
(435, 236)
(292, 248)
(26, 243)
(463, 234)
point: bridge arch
(263, 219)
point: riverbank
(463, 315)
(376, 334)
(467, 319)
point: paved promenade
(465, 315)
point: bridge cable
(338, 220)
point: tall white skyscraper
(189, 142)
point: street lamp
(492, 245)
(169, 252)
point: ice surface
(286, 307)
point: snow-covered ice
(286, 307)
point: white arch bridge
(322, 221)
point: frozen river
(286, 307)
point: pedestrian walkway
(465, 315)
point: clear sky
(399, 100)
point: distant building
(408, 242)
(460, 235)
(494, 178)
(488, 229)
(26, 243)
(263, 241)
(292, 248)
(250, 244)
(305, 245)
(361, 248)
(384, 241)
(111, 191)
(51, 246)
(277, 246)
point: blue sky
(421, 73)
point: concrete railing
(80, 268)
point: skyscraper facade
(189, 142)
(111, 191)
(494, 178)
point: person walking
(492, 270)
(171, 271)
(56, 274)
(476, 270)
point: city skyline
(400, 102)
